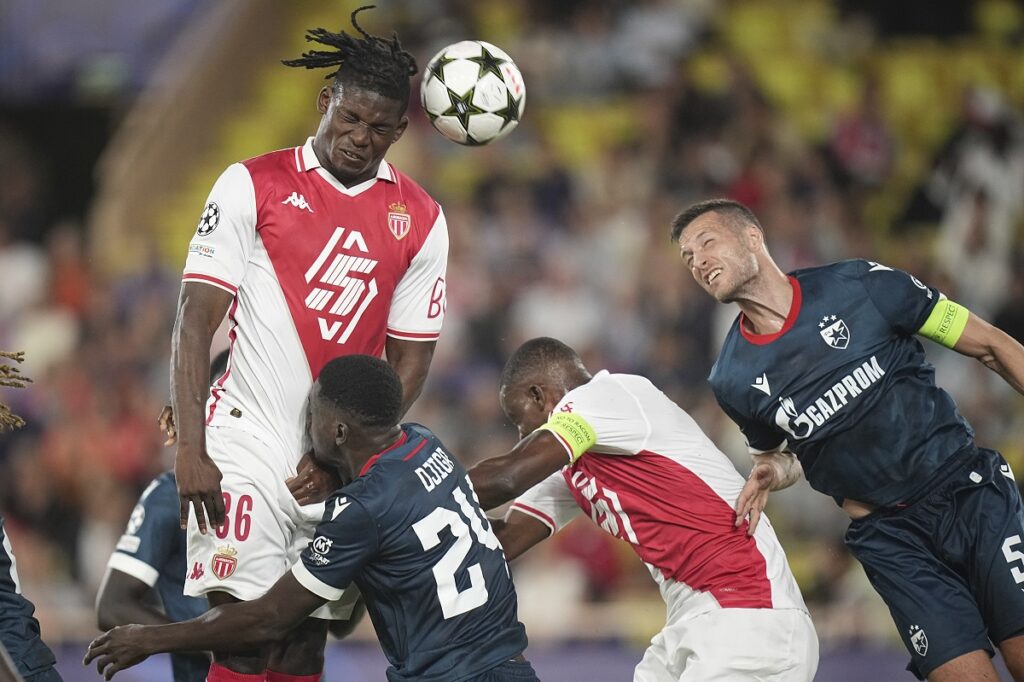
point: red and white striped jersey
(318, 270)
(656, 481)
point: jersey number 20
(428, 530)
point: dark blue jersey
(410, 533)
(19, 630)
(152, 550)
(845, 383)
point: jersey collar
(306, 160)
(794, 312)
(373, 459)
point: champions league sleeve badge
(209, 220)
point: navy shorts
(509, 671)
(950, 566)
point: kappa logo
(567, 407)
(224, 562)
(197, 571)
(342, 285)
(918, 640)
(835, 332)
(399, 221)
(761, 384)
(298, 201)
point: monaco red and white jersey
(318, 270)
(644, 471)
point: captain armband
(946, 323)
(573, 431)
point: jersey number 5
(428, 530)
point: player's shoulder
(851, 268)
(416, 199)
(288, 158)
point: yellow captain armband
(946, 323)
(574, 432)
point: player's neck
(767, 303)
(373, 443)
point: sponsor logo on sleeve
(204, 250)
(129, 543)
(209, 220)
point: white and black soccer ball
(473, 92)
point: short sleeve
(418, 304)
(902, 299)
(760, 437)
(603, 414)
(226, 234)
(342, 544)
(550, 502)
(152, 535)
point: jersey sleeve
(902, 299)
(601, 413)
(418, 304)
(760, 437)
(226, 235)
(550, 502)
(152, 535)
(342, 544)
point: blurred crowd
(560, 230)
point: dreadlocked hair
(11, 377)
(372, 63)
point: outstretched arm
(226, 627)
(500, 479)
(518, 532)
(771, 471)
(122, 600)
(994, 348)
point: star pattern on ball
(436, 68)
(511, 111)
(488, 63)
(462, 107)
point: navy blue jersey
(19, 630)
(152, 550)
(845, 383)
(410, 533)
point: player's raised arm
(224, 628)
(500, 479)
(978, 339)
(201, 308)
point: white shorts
(265, 529)
(729, 645)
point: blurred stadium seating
(850, 134)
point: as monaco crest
(224, 562)
(399, 221)
(835, 332)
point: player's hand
(312, 483)
(166, 422)
(199, 487)
(116, 650)
(754, 496)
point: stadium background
(854, 129)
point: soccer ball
(473, 92)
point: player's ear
(341, 434)
(536, 394)
(400, 129)
(323, 100)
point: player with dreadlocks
(23, 655)
(313, 252)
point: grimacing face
(323, 422)
(357, 129)
(720, 257)
(525, 411)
